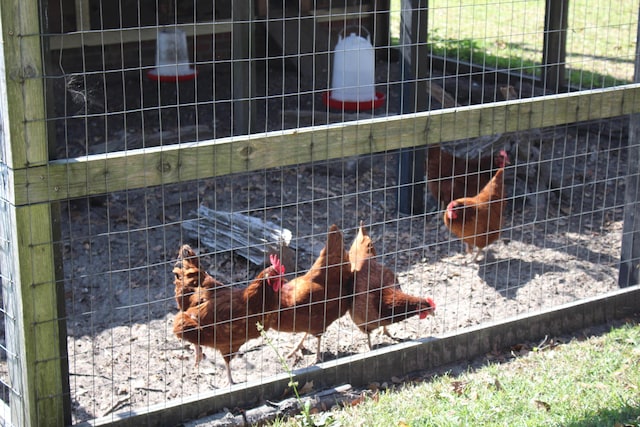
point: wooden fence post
(32, 295)
(554, 50)
(243, 66)
(630, 253)
(411, 164)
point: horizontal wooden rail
(107, 36)
(100, 174)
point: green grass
(509, 35)
(586, 382)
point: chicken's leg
(228, 366)
(318, 354)
(199, 354)
(297, 347)
(475, 258)
(387, 333)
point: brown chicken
(311, 302)
(478, 220)
(226, 317)
(378, 300)
(450, 177)
(192, 284)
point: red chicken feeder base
(170, 78)
(335, 104)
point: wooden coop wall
(106, 172)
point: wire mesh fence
(127, 85)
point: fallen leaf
(541, 405)
(519, 347)
(362, 398)
(459, 387)
(402, 424)
(358, 400)
(306, 388)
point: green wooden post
(35, 329)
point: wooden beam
(243, 67)
(554, 50)
(36, 338)
(103, 173)
(411, 162)
(83, 15)
(105, 37)
(630, 252)
(381, 27)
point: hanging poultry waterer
(353, 76)
(172, 57)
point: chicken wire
(565, 188)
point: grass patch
(508, 35)
(589, 382)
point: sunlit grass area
(500, 34)
(590, 381)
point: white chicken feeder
(172, 57)
(353, 78)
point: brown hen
(311, 302)
(226, 316)
(450, 177)
(378, 300)
(478, 220)
(192, 284)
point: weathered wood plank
(35, 337)
(243, 87)
(40, 311)
(23, 74)
(107, 36)
(554, 48)
(411, 163)
(629, 273)
(103, 173)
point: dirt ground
(559, 245)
